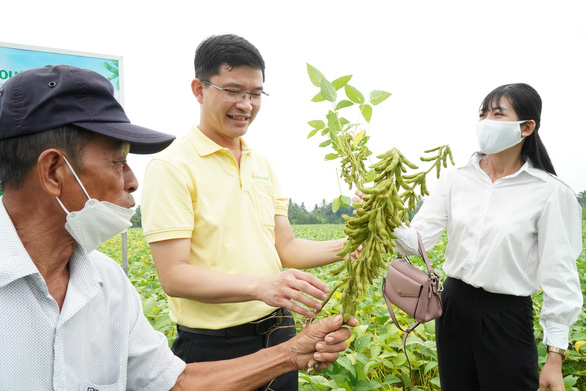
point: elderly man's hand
(321, 341)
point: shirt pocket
(87, 386)
(264, 194)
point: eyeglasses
(239, 95)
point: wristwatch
(553, 349)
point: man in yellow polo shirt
(216, 221)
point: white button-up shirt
(513, 236)
(100, 341)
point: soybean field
(374, 359)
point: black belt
(260, 326)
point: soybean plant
(387, 201)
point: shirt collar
(205, 146)
(15, 262)
(527, 167)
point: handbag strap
(405, 332)
(410, 329)
(390, 307)
(423, 254)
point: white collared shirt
(99, 341)
(516, 235)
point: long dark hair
(527, 104)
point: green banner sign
(17, 58)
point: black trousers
(485, 341)
(192, 347)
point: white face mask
(496, 136)
(97, 222)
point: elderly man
(70, 318)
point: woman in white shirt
(512, 228)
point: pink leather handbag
(412, 290)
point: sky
(438, 59)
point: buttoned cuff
(555, 334)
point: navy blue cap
(40, 99)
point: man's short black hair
(228, 49)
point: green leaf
(148, 305)
(335, 204)
(353, 94)
(363, 385)
(391, 379)
(370, 176)
(161, 323)
(333, 135)
(436, 381)
(331, 156)
(570, 381)
(362, 342)
(343, 104)
(429, 366)
(333, 122)
(328, 91)
(312, 133)
(377, 97)
(388, 364)
(344, 361)
(341, 81)
(318, 98)
(345, 200)
(317, 124)
(369, 365)
(366, 111)
(363, 142)
(314, 75)
(325, 143)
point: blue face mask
(97, 222)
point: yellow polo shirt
(195, 189)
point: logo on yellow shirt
(260, 178)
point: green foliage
(347, 139)
(575, 363)
(136, 219)
(142, 274)
(386, 203)
(374, 359)
(582, 198)
(324, 213)
(582, 201)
